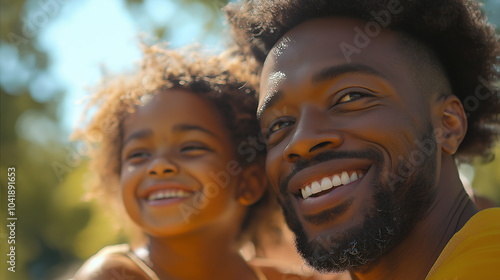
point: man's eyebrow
(332, 72)
(141, 134)
(190, 127)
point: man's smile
(326, 184)
(319, 187)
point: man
(364, 108)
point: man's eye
(351, 96)
(278, 125)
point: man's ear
(453, 124)
(252, 186)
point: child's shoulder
(111, 262)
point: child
(179, 145)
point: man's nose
(314, 133)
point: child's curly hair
(456, 30)
(227, 80)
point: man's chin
(338, 253)
(354, 248)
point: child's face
(178, 169)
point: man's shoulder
(482, 225)
(474, 251)
(486, 214)
(111, 262)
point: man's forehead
(338, 40)
(318, 29)
(314, 49)
(311, 42)
(281, 46)
(299, 48)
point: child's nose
(161, 167)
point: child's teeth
(303, 191)
(345, 178)
(326, 184)
(336, 181)
(167, 194)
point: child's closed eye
(194, 149)
(137, 156)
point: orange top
(473, 252)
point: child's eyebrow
(188, 127)
(141, 134)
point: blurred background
(51, 53)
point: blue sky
(89, 35)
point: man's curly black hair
(456, 30)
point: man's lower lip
(338, 195)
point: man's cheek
(273, 165)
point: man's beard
(399, 203)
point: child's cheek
(131, 168)
(127, 175)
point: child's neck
(198, 256)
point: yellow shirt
(473, 252)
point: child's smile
(166, 193)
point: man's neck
(416, 254)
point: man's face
(351, 149)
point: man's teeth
(330, 182)
(162, 194)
